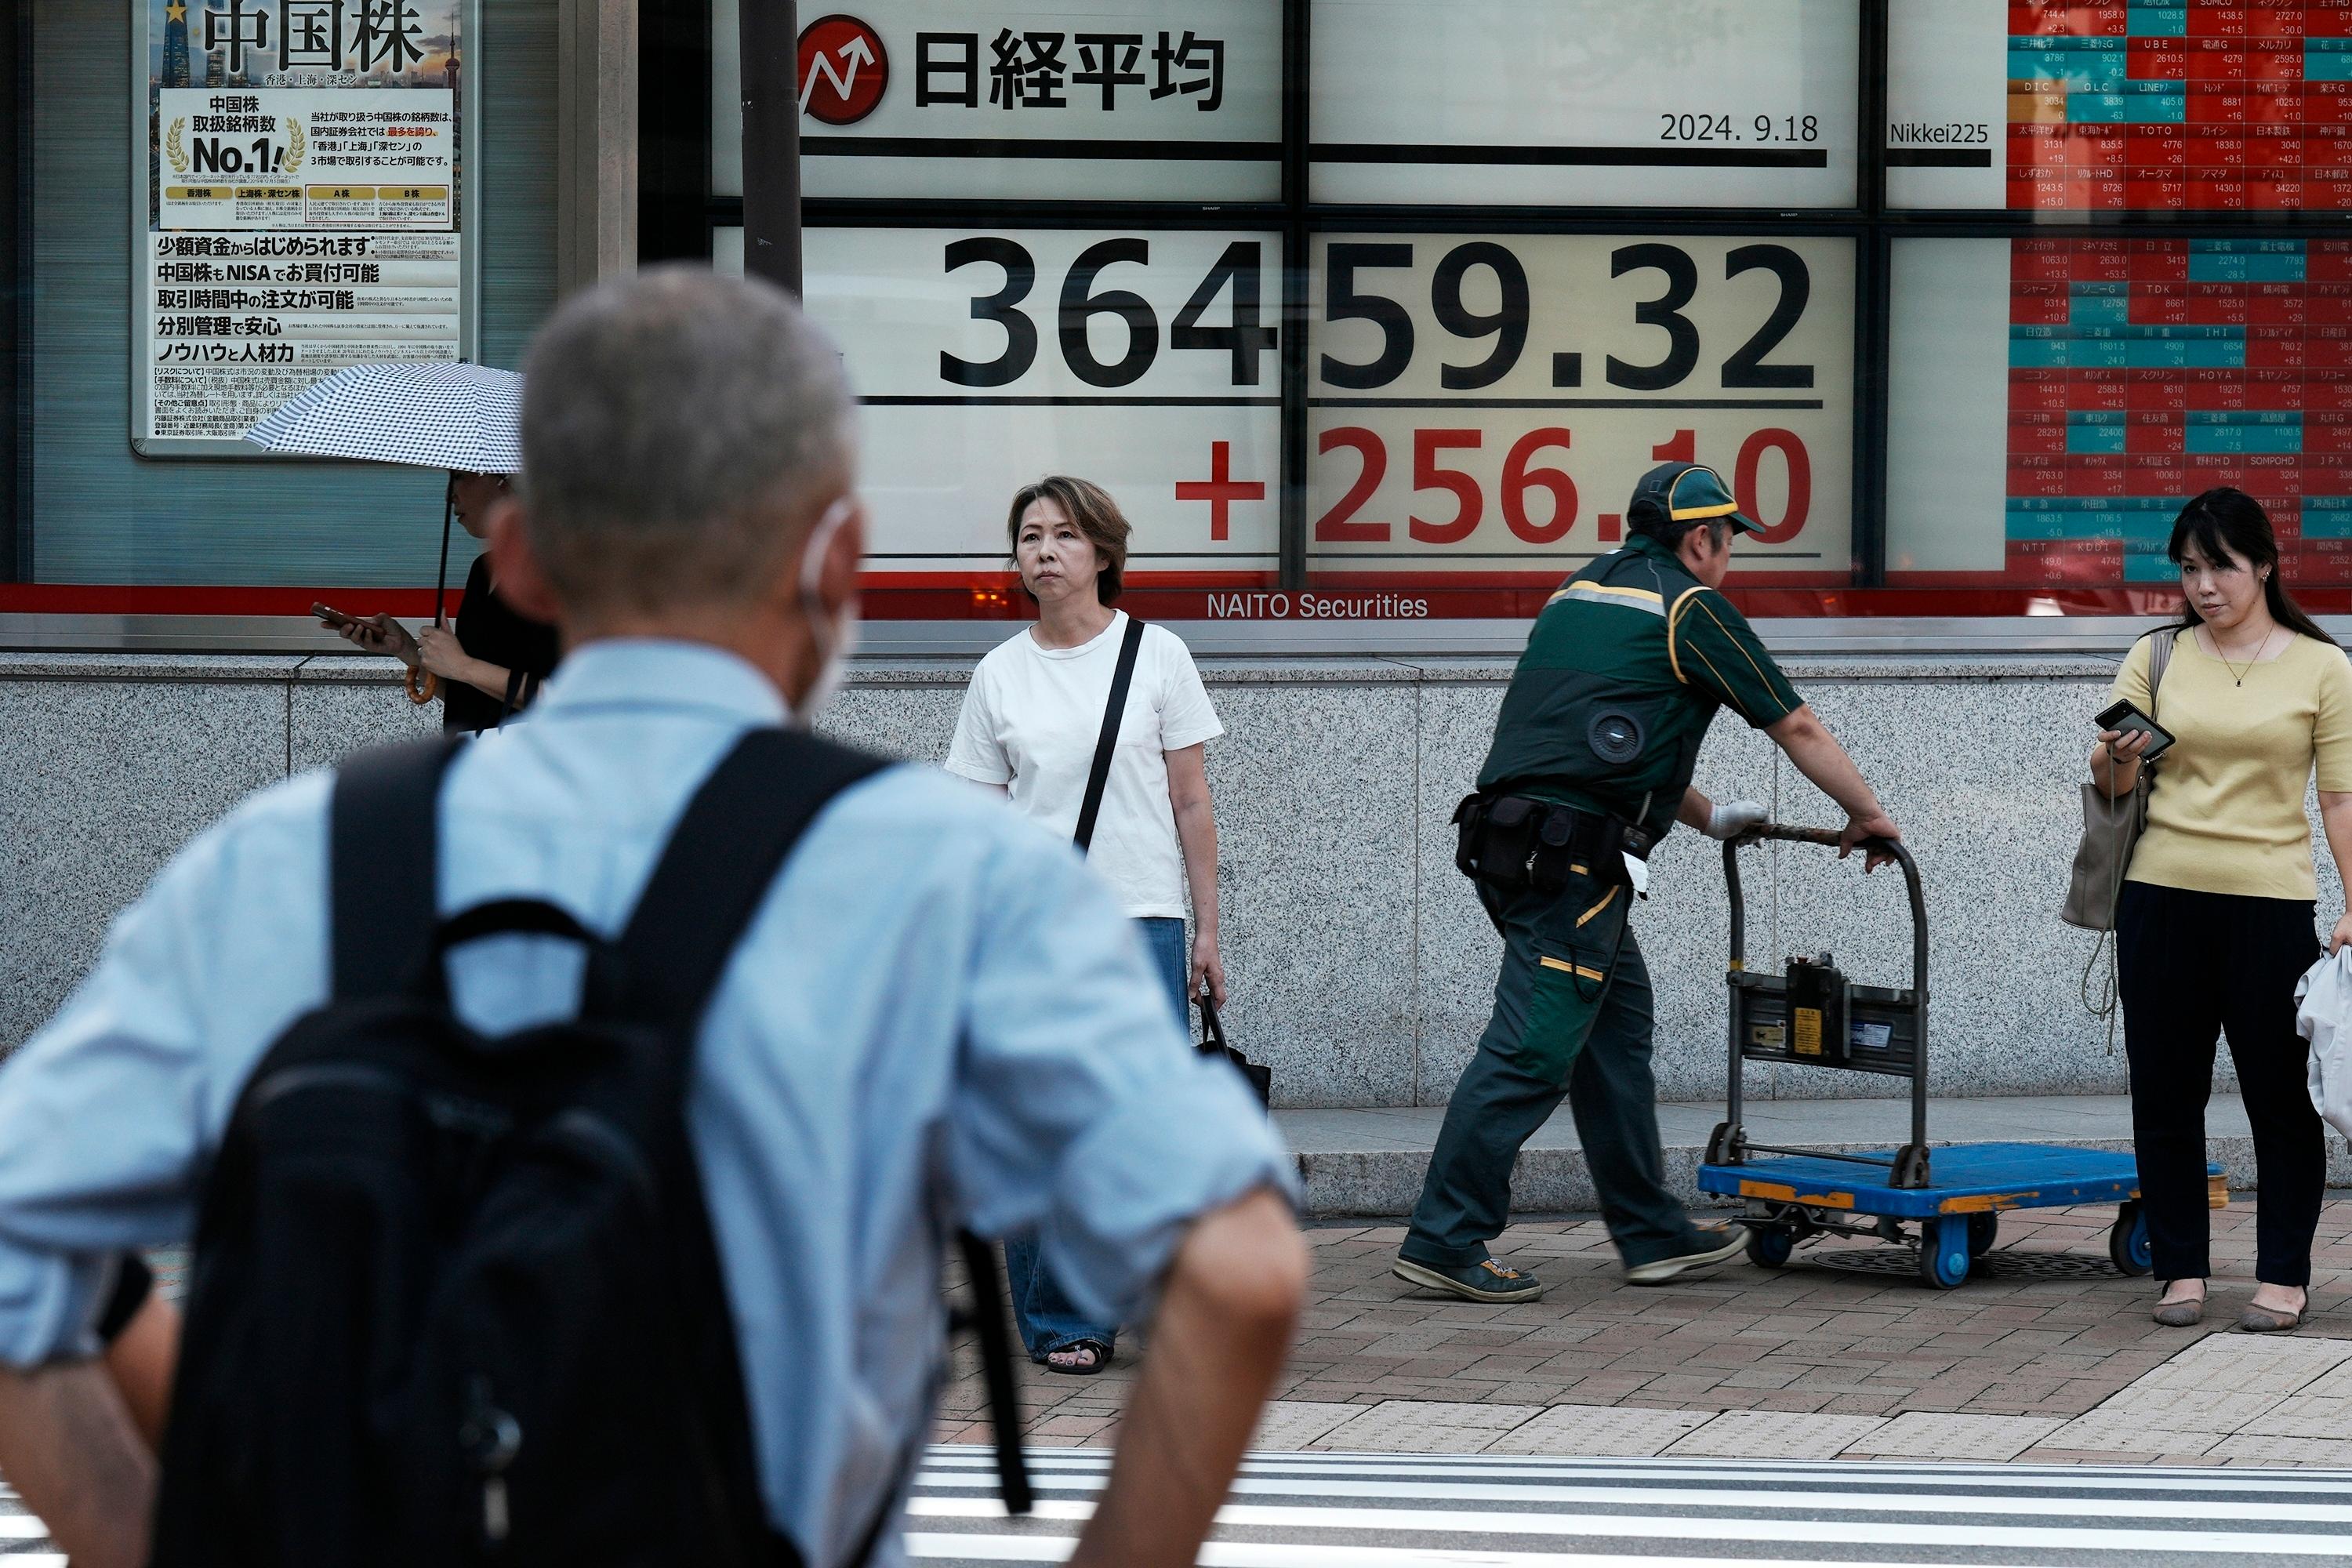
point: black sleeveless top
(488, 629)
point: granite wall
(1360, 962)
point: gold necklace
(2239, 675)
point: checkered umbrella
(467, 417)
(463, 417)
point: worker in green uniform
(1590, 766)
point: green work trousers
(1572, 1016)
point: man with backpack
(569, 1124)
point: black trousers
(2194, 965)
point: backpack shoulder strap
(735, 836)
(1107, 743)
(384, 855)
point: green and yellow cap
(1685, 492)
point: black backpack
(456, 1299)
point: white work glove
(1730, 818)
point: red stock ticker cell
(2156, 392)
(2098, 391)
(2276, 391)
(2037, 390)
(2216, 152)
(2053, 17)
(2038, 304)
(2155, 59)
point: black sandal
(1099, 1351)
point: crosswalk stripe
(2071, 1480)
(1650, 1527)
(21, 1527)
(1274, 1554)
(1379, 1511)
(1665, 1497)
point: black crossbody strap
(988, 1321)
(1106, 746)
(383, 857)
(722, 859)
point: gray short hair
(679, 429)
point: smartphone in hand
(2126, 716)
(334, 617)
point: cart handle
(1829, 837)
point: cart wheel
(1984, 1229)
(1944, 1251)
(1769, 1246)
(2127, 1246)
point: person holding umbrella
(466, 418)
(492, 664)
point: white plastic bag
(2323, 1014)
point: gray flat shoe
(1484, 1280)
(2180, 1314)
(2268, 1321)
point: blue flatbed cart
(1953, 1200)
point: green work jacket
(1621, 676)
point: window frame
(17, 293)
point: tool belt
(1507, 842)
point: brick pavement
(2048, 1332)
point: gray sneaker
(1486, 1280)
(1713, 1243)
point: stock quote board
(2055, 402)
(2044, 106)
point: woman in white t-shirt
(1032, 718)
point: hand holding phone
(2123, 720)
(376, 633)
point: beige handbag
(2112, 826)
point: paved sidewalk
(2048, 1354)
(1370, 1161)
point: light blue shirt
(938, 1018)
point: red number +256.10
(1521, 475)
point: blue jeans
(1048, 1319)
(1163, 939)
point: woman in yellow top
(2215, 924)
